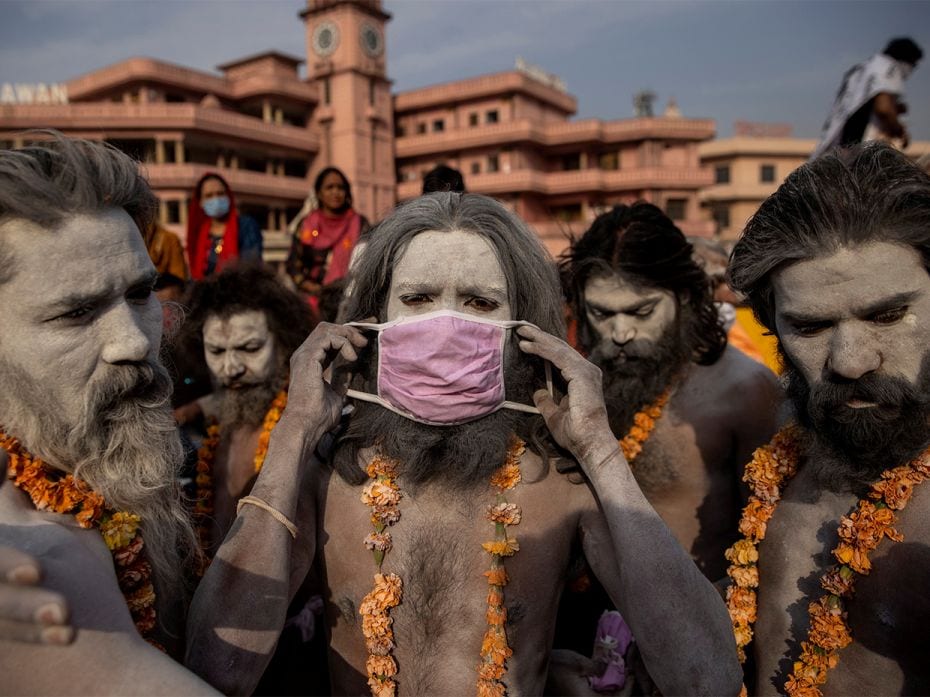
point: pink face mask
(441, 368)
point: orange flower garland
(494, 648)
(55, 491)
(644, 421)
(860, 533)
(382, 495)
(206, 455)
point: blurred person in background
(443, 178)
(325, 234)
(217, 233)
(870, 100)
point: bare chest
(233, 474)
(437, 552)
(887, 616)
(687, 472)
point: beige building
(747, 168)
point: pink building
(269, 131)
(510, 136)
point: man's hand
(578, 422)
(28, 613)
(310, 395)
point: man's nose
(233, 367)
(128, 337)
(854, 352)
(622, 330)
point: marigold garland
(494, 647)
(382, 496)
(860, 533)
(206, 456)
(55, 491)
(644, 421)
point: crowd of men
(417, 487)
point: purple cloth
(611, 642)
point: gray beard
(247, 406)
(126, 448)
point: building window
(476, 168)
(421, 128)
(721, 213)
(473, 118)
(571, 161)
(675, 208)
(722, 174)
(399, 130)
(609, 160)
(493, 163)
(767, 174)
(327, 91)
(174, 212)
(439, 126)
(569, 213)
(491, 116)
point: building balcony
(555, 135)
(575, 182)
(110, 119)
(154, 72)
(292, 190)
(737, 192)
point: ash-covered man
(443, 525)
(88, 435)
(688, 409)
(247, 325)
(837, 264)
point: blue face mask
(216, 207)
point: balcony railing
(183, 176)
(97, 117)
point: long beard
(636, 374)
(852, 447)
(457, 457)
(125, 447)
(247, 406)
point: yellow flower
(828, 628)
(743, 552)
(382, 688)
(119, 530)
(491, 688)
(756, 515)
(378, 493)
(502, 548)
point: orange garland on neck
(860, 533)
(383, 495)
(644, 421)
(206, 455)
(55, 491)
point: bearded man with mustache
(645, 315)
(88, 433)
(837, 264)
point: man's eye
(216, 351)
(414, 299)
(889, 316)
(79, 313)
(597, 314)
(811, 329)
(645, 311)
(482, 304)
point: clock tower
(346, 60)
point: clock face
(371, 39)
(325, 38)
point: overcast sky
(760, 61)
